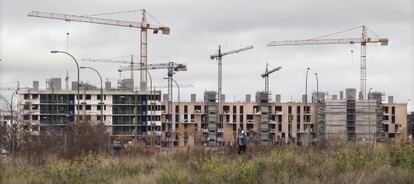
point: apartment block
(130, 114)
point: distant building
(207, 122)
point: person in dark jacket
(242, 142)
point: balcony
(250, 121)
(198, 112)
(272, 122)
(279, 113)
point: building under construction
(130, 114)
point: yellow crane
(363, 40)
(144, 26)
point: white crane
(131, 62)
(219, 57)
(266, 74)
(144, 26)
(363, 40)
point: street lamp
(77, 66)
(100, 78)
(369, 114)
(13, 125)
(306, 99)
(317, 88)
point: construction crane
(219, 57)
(144, 26)
(266, 74)
(363, 40)
(171, 68)
(131, 62)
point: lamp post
(317, 88)
(13, 125)
(77, 86)
(306, 98)
(369, 114)
(100, 78)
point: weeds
(348, 163)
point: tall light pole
(306, 98)
(369, 114)
(100, 78)
(13, 125)
(317, 87)
(77, 85)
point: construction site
(206, 91)
(132, 110)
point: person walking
(242, 142)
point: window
(26, 117)
(392, 110)
(80, 97)
(35, 96)
(298, 109)
(241, 109)
(393, 119)
(278, 108)
(280, 127)
(98, 97)
(185, 108)
(35, 117)
(290, 109)
(177, 118)
(234, 109)
(26, 107)
(386, 110)
(177, 109)
(87, 97)
(241, 118)
(98, 107)
(98, 118)
(88, 107)
(80, 107)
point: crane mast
(144, 26)
(363, 40)
(266, 76)
(219, 57)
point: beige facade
(395, 121)
(286, 121)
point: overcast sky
(198, 27)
